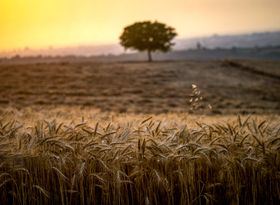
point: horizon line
(111, 43)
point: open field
(230, 87)
(139, 133)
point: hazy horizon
(64, 23)
(102, 44)
(247, 40)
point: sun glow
(41, 23)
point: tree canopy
(148, 36)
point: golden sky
(43, 23)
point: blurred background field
(222, 87)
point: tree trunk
(150, 56)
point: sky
(59, 23)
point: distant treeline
(262, 53)
(202, 53)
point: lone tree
(148, 36)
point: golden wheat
(140, 161)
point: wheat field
(136, 133)
(80, 156)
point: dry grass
(161, 87)
(120, 159)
